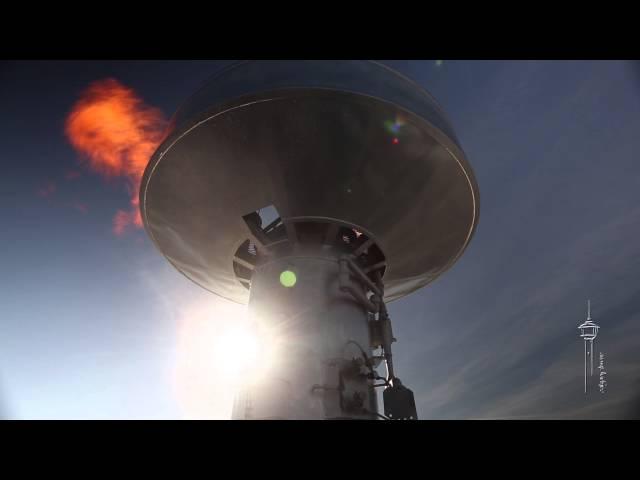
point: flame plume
(116, 133)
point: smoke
(115, 134)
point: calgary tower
(589, 332)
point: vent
(268, 233)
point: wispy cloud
(557, 227)
(80, 207)
(115, 133)
(72, 175)
(47, 189)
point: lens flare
(115, 134)
(221, 349)
(394, 127)
(237, 352)
(288, 278)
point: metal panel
(314, 326)
(322, 149)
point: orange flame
(116, 133)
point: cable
(364, 354)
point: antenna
(370, 197)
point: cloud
(115, 133)
(121, 221)
(557, 226)
(72, 175)
(523, 359)
(81, 207)
(47, 190)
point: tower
(374, 199)
(588, 332)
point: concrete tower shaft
(321, 331)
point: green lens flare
(288, 278)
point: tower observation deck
(373, 199)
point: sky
(98, 325)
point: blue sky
(91, 323)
